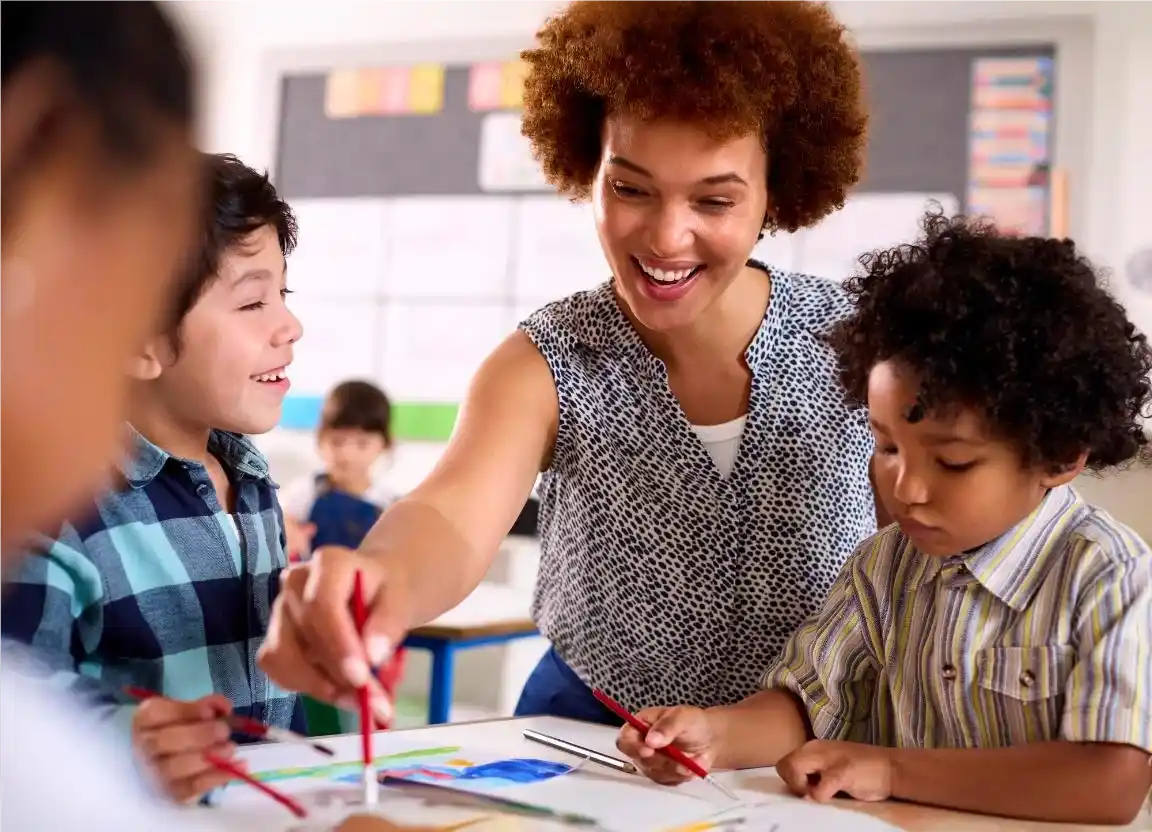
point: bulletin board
(427, 231)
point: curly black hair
(1022, 329)
(783, 69)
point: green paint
(338, 769)
(423, 421)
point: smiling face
(949, 484)
(678, 215)
(235, 344)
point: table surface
(489, 610)
(505, 736)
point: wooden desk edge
(448, 632)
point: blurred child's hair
(1020, 329)
(124, 67)
(240, 202)
(358, 405)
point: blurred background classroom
(427, 232)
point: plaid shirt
(161, 588)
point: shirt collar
(1013, 565)
(144, 460)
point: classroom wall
(1104, 84)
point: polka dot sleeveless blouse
(662, 581)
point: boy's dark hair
(358, 405)
(124, 66)
(782, 69)
(1019, 328)
(240, 202)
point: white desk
(246, 810)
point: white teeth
(271, 377)
(662, 276)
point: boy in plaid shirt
(169, 583)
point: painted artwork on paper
(430, 765)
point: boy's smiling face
(950, 484)
(230, 368)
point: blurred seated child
(339, 505)
(989, 652)
(168, 583)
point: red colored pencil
(240, 774)
(670, 751)
(247, 725)
(367, 722)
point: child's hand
(822, 768)
(172, 736)
(298, 538)
(687, 728)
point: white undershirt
(722, 442)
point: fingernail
(379, 648)
(382, 708)
(655, 738)
(223, 732)
(347, 703)
(356, 672)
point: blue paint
(518, 771)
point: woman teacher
(703, 480)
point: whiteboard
(867, 222)
(557, 251)
(430, 352)
(449, 248)
(339, 343)
(341, 247)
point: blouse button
(1026, 678)
(948, 672)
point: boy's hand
(687, 728)
(172, 736)
(298, 538)
(820, 769)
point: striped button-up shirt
(1042, 634)
(161, 587)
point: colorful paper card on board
(485, 85)
(426, 89)
(395, 91)
(369, 91)
(342, 94)
(512, 78)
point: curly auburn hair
(782, 69)
(1019, 328)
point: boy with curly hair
(988, 652)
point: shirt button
(948, 672)
(1026, 678)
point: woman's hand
(313, 646)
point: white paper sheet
(341, 247)
(620, 803)
(557, 250)
(449, 247)
(430, 352)
(867, 222)
(506, 162)
(339, 343)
